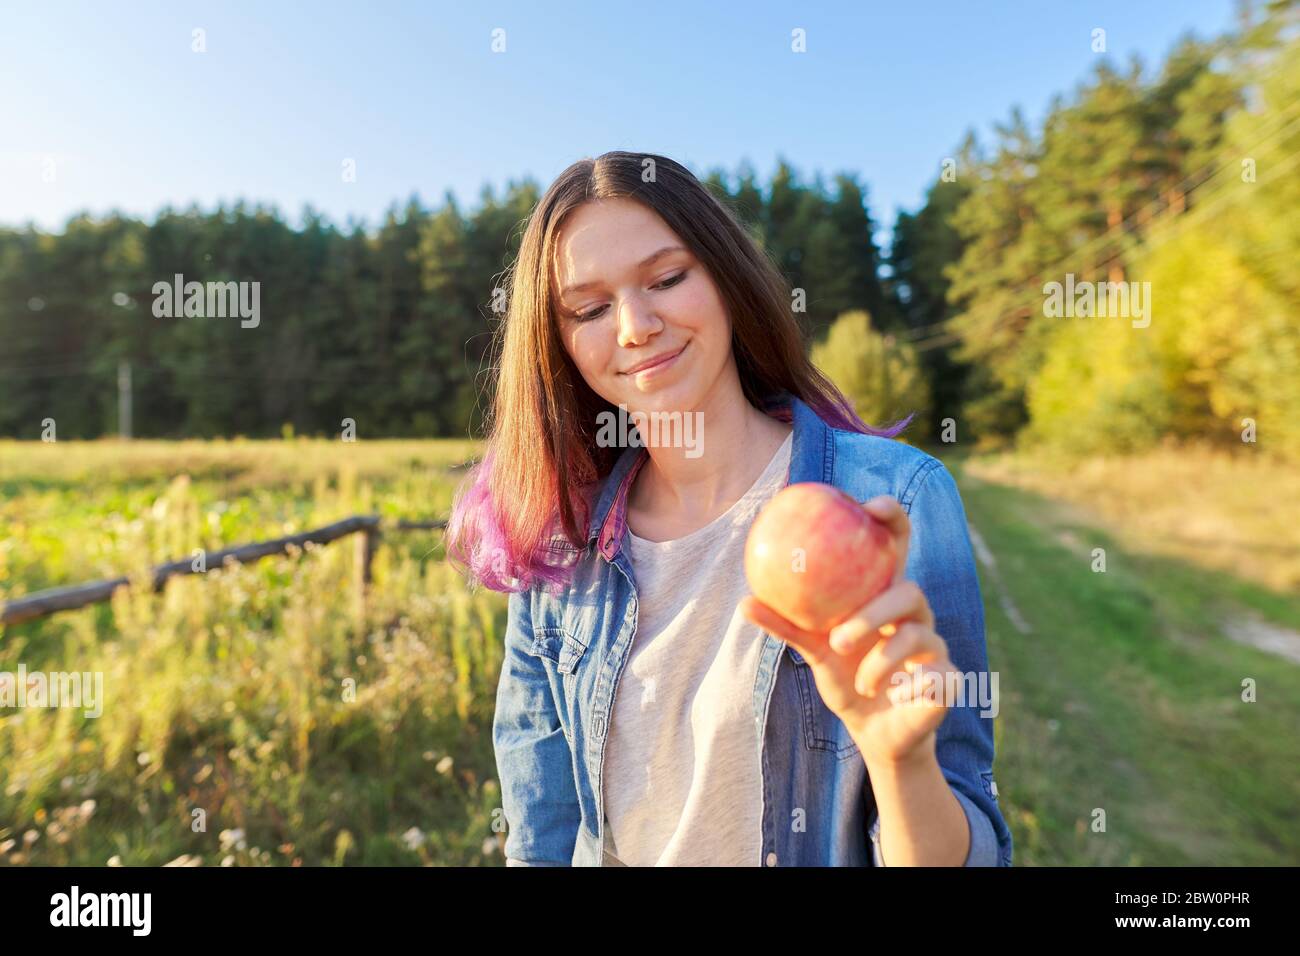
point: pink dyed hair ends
(837, 412)
(478, 543)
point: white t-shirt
(682, 775)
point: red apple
(815, 555)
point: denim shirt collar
(811, 459)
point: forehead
(611, 234)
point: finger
(854, 638)
(810, 644)
(885, 657)
(922, 684)
(888, 510)
(913, 640)
(900, 602)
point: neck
(738, 442)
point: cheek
(700, 309)
(703, 317)
(589, 348)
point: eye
(672, 280)
(665, 284)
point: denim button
(771, 859)
(598, 726)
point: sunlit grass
(1237, 513)
(1128, 695)
(260, 714)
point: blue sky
(132, 119)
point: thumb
(810, 644)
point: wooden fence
(368, 529)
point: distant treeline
(388, 327)
(1184, 177)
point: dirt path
(990, 563)
(1249, 628)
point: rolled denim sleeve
(538, 795)
(983, 838)
(940, 559)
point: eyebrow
(653, 257)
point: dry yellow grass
(1227, 512)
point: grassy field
(256, 715)
(265, 715)
(1123, 688)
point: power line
(1192, 215)
(1210, 170)
(234, 375)
(1218, 167)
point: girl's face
(628, 291)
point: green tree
(877, 371)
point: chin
(671, 397)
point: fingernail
(841, 638)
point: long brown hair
(542, 464)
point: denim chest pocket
(564, 652)
(822, 729)
(558, 645)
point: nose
(636, 322)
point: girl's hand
(882, 670)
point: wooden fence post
(365, 547)
(366, 543)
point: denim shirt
(564, 653)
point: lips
(653, 362)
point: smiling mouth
(658, 364)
